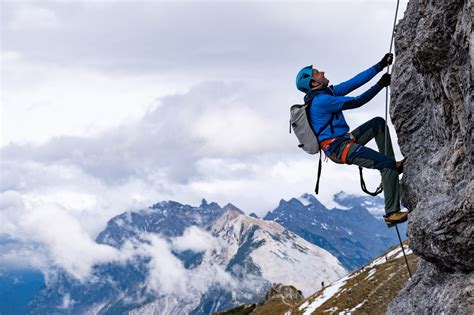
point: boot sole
(393, 223)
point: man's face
(319, 77)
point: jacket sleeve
(357, 81)
(358, 101)
(334, 104)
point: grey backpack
(307, 137)
(303, 130)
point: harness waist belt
(345, 152)
(327, 142)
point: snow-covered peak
(280, 255)
(232, 220)
(345, 201)
(230, 206)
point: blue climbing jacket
(327, 104)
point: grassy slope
(368, 290)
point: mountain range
(217, 257)
(352, 233)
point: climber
(344, 147)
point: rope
(362, 183)
(403, 251)
(388, 71)
(386, 129)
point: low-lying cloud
(51, 239)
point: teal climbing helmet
(303, 79)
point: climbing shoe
(395, 218)
(399, 166)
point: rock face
(431, 108)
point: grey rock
(448, 293)
(431, 108)
(287, 293)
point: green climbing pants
(360, 155)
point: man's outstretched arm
(362, 78)
(334, 104)
(355, 102)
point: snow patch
(377, 211)
(393, 254)
(371, 273)
(400, 254)
(358, 306)
(304, 201)
(342, 195)
(67, 302)
(327, 293)
(341, 207)
(120, 222)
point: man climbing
(344, 147)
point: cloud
(246, 39)
(47, 224)
(51, 237)
(33, 17)
(84, 101)
(167, 274)
(209, 121)
(194, 239)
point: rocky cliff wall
(431, 108)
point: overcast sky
(110, 106)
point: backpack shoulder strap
(329, 123)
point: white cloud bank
(52, 229)
(50, 237)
